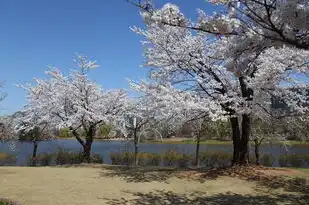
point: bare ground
(148, 186)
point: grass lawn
(141, 186)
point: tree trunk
(257, 151)
(236, 139)
(87, 151)
(34, 152)
(241, 143)
(243, 146)
(244, 142)
(197, 151)
(87, 146)
(135, 148)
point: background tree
(179, 108)
(30, 127)
(75, 102)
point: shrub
(306, 159)
(8, 202)
(213, 159)
(116, 158)
(171, 158)
(65, 133)
(292, 160)
(283, 161)
(127, 158)
(267, 160)
(153, 159)
(252, 158)
(223, 159)
(6, 159)
(296, 160)
(64, 157)
(142, 158)
(44, 159)
(96, 159)
(184, 160)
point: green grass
(7, 202)
(305, 170)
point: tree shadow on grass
(299, 185)
(266, 183)
(170, 198)
(140, 174)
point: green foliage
(96, 159)
(116, 158)
(213, 159)
(185, 160)
(65, 157)
(267, 160)
(171, 158)
(31, 135)
(306, 159)
(283, 161)
(219, 129)
(153, 159)
(296, 160)
(44, 159)
(128, 158)
(105, 130)
(65, 133)
(142, 158)
(8, 202)
(6, 159)
(293, 160)
(62, 157)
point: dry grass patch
(116, 186)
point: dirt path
(95, 186)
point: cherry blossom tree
(135, 119)
(178, 107)
(74, 102)
(6, 129)
(275, 22)
(236, 72)
(30, 127)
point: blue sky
(38, 33)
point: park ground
(114, 185)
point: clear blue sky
(38, 33)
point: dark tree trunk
(88, 144)
(244, 142)
(257, 151)
(236, 139)
(197, 151)
(135, 148)
(241, 143)
(87, 150)
(34, 153)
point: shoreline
(192, 141)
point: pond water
(23, 150)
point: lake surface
(23, 150)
